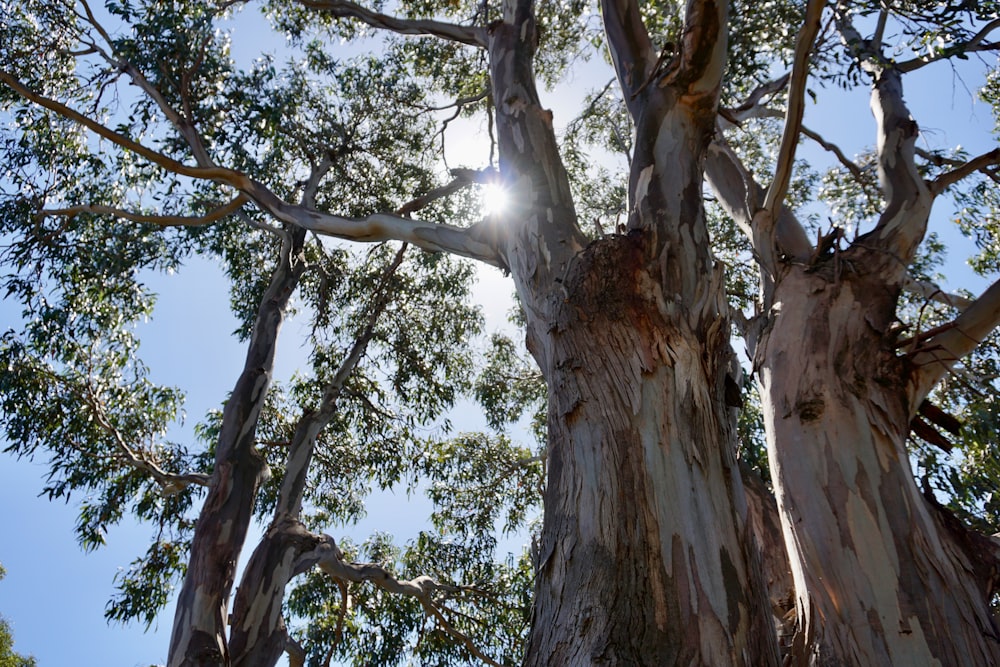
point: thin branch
(977, 43)
(462, 178)
(460, 102)
(449, 31)
(330, 559)
(848, 164)
(211, 173)
(170, 483)
(796, 109)
(979, 163)
(931, 292)
(936, 355)
(183, 124)
(160, 220)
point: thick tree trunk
(879, 578)
(646, 557)
(645, 553)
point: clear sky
(54, 594)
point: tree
(653, 549)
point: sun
(495, 199)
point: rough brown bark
(879, 578)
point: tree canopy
(335, 172)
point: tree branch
(218, 174)
(739, 194)
(183, 124)
(979, 163)
(630, 47)
(902, 224)
(934, 357)
(449, 31)
(160, 220)
(848, 164)
(703, 46)
(304, 440)
(375, 227)
(170, 483)
(793, 116)
(749, 107)
(931, 292)
(977, 43)
(328, 557)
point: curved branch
(160, 220)
(931, 292)
(329, 558)
(448, 31)
(848, 164)
(467, 242)
(949, 178)
(977, 43)
(935, 356)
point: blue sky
(54, 594)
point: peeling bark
(646, 554)
(879, 579)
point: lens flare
(495, 199)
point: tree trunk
(645, 553)
(646, 556)
(201, 618)
(879, 578)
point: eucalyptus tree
(670, 213)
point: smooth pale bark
(881, 577)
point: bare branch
(347, 9)
(160, 220)
(796, 108)
(462, 178)
(848, 164)
(979, 163)
(931, 292)
(977, 43)
(630, 47)
(749, 107)
(329, 558)
(934, 357)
